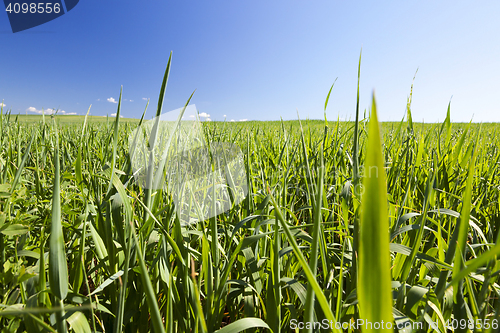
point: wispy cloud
(98, 99)
(111, 100)
(114, 115)
(2, 104)
(144, 98)
(224, 116)
(131, 100)
(243, 119)
(204, 115)
(49, 111)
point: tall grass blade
(316, 239)
(355, 183)
(154, 311)
(58, 269)
(374, 279)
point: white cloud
(131, 100)
(98, 99)
(2, 104)
(114, 115)
(208, 119)
(125, 99)
(50, 111)
(232, 120)
(111, 100)
(144, 98)
(243, 119)
(191, 116)
(204, 115)
(224, 116)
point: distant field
(290, 124)
(22, 118)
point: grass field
(344, 221)
(68, 119)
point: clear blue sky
(259, 60)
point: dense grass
(69, 119)
(84, 248)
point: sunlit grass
(68, 201)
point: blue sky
(259, 60)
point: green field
(340, 225)
(70, 119)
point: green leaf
(115, 140)
(78, 322)
(154, 311)
(374, 279)
(58, 269)
(15, 230)
(107, 282)
(23, 162)
(313, 261)
(329, 92)
(243, 324)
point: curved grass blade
(78, 322)
(243, 324)
(329, 92)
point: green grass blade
(243, 324)
(78, 161)
(313, 261)
(374, 279)
(115, 140)
(329, 92)
(154, 311)
(58, 269)
(464, 217)
(311, 277)
(164, 86)
(355, 182)
(21, 165)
